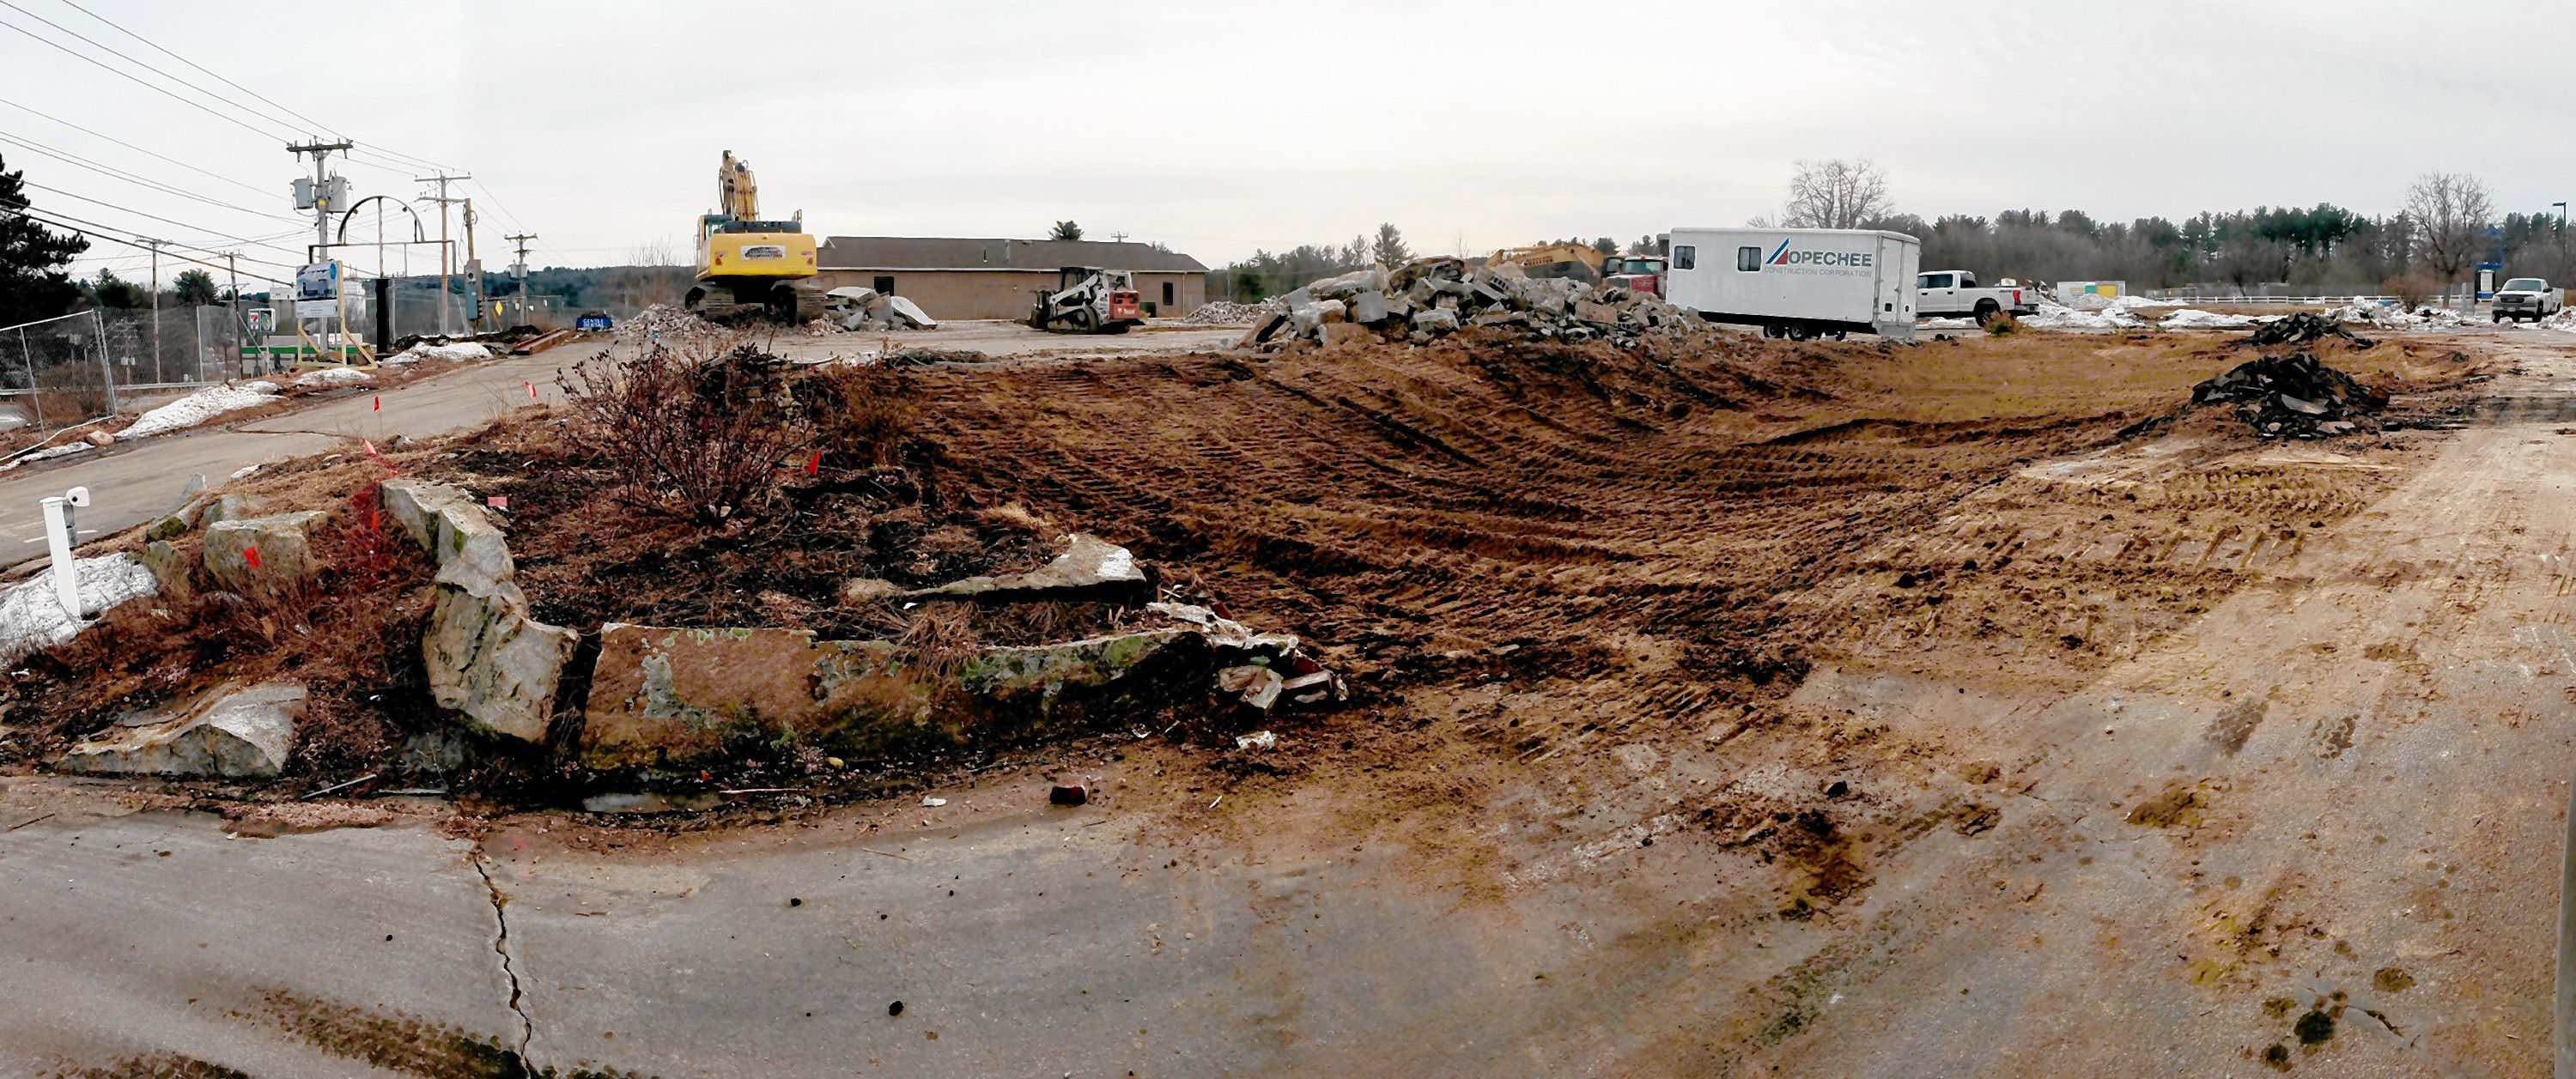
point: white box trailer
(1798, 283)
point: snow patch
(1947, 324)
(2051, 315)
(2193, 318)
(199, 407)
(458, 352)
(334, 376)
(32, 618)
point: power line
(132, 178)
(146, 247)
(191, 63)
(129, 77)
(138, 149)
(159, 218)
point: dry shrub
(701, 429)
(2411, 289)
(939, 636)
(1016, 517)
(866, 411)
(68, 393)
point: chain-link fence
(55, 372)
(172, 347)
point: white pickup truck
(1954, 294)
(2528, 298)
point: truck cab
(1955, 293)
(1642, 274)
(2527, 299)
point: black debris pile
(2291, 396)
(2303, 328)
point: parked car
(2528, 298)
(1954, 294)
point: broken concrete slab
(233, 732)
(262, 554)
(1368, 306)
(912, 313)
(663, 697)
(1090, 570)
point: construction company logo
(1820, 262)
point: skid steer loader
(1088, 299)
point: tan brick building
(968, 278)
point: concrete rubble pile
(1229, 313)
(853, 308)
(2301, 329)
(2292, 396)
(1429, 298)
(665, 323)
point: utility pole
(519, 271)
(473, 264)
(322, 203)
(155, 245)
(446, 257)
(232, 267)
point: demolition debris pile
(1432, 297)
(855, 308)
(2292, 396)
(667, 324)
(2303, 329)
(1229, 313)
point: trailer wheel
(1987, 312)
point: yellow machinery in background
(1552, 260)
(748, 267)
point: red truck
(1636, 273)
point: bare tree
(2451, 212)
(1836, 194)
(655, 252)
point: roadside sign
(327, 307)
(320, 281)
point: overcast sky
(1223, 128)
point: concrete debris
(32, 617)
(924, 355)
(1266, 667)
(1229, 313)
(233, 732)
(2301, 329)
(1431, 297)
(665, 323)
(1090, 570)
(2292, 396)
(486, 657)
(852, 308)
(2371, 312)
(1261, 740)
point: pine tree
(1390, 250)
(32, 259)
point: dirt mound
(2292, 396)
(2303, 328)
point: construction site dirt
(1827, 708)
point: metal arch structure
(418, 233)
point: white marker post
(58, 542)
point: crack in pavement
(501, 946)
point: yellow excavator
(748, 267)
(1577, 261)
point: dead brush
(939, 637)
(865, 411)
(700, 429)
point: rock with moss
(234, 732)
(486, 658)
(261, 555)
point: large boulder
(261, 555)
(669, 697)
(486, 658)
(232, 732)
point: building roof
(953, 253)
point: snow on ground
(32, 617)
(199, 407)
(2193, 318)
(460, 352)
(2052, 315)
(2380, 313)
(334, 376)
(1947, 324)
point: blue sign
(591, 321)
